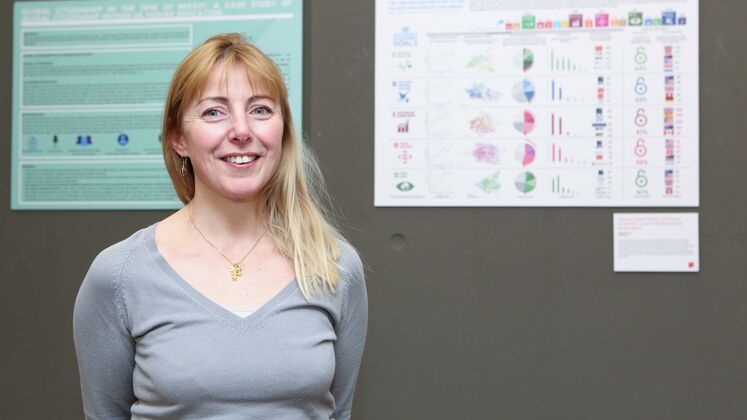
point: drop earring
(183, 169)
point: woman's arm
(351, 332)
(103, 343)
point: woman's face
(232, 135)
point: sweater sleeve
(103, 344)
(351, 332)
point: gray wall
(505, 313)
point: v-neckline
(209, 304)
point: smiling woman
(250, 272)
(232, 136)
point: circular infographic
(526, 153)
(525, 182)
(122, 139)
(524, 59)
(523, 91)
(524, 122)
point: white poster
(494, 103)
(656, 242)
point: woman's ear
(177, 144)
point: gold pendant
(235, 272)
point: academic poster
(515, 103)
(89, 81)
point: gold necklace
(235, 268)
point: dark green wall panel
(504, 313)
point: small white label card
(647, 242)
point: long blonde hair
(296, 217)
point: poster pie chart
(523, 91)
(524, 122)
(525, 182)
(524, 59)
(525, 153)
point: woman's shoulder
(112, 259)
(103, 280)
(122, 249)
(350, 265)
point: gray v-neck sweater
(150, 346)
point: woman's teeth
(240, 159)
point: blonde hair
(296, 218)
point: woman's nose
(241, 129)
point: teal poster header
(89, 81)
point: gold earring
(183, 169)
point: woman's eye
(212, 112)
(262, 111)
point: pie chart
(523, 91)
(525, 182)
(525, 153)
(524, 122)
(524, 59)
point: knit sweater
(150, 346)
